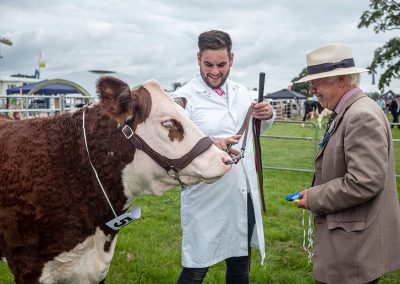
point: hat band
(325, 67)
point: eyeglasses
(313, 85)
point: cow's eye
(175, 129)
(168, 123)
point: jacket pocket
(347, 226)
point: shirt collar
(206, 86)
(344, 99)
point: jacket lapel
(232, 98)
(336, 122)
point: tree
(384, 16)
(301, 88)
(373, 95)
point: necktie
(219, 91)
(326, 135)
(331, 118)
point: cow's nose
(227, 160)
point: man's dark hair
(214, 40)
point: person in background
(353, 196)
(395, 110)
(220, 221)
(381, 103)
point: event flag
(5, 40)
(42, 62)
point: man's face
(327, 90)
(215, 66)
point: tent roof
(389, 95)
(48, 90)
(88, 79)
(285, 94)
(85, 79)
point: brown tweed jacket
(354, 198)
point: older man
(353, 195)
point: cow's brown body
(47, 185)
(50, 199)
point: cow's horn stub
(181, 101)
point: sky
(157, 39)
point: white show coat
(214, 216)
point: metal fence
(302, 149)
(39, 105)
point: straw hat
(330, 60)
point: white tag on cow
(124, 219)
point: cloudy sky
(157, 39)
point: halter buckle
(236, 158)
(173, 173)
(128, 132)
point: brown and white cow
(52, 209)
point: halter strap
(172, 166)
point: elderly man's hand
(303, 202)
(262, 111)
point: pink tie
(219, 91)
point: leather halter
(172, 166)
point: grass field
(148, 250)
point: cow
(63, 178)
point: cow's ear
(181, 101)
(115, 97)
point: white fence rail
(39, 105)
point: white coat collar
(230, 88)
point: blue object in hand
(293, 196)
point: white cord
(90, 161)
(308, 237)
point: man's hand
(303, 203)
(226, 143)
(262, 111)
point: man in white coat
(220, 221)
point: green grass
(148, 250)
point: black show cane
(257, 144)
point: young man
(221, 220)
(353, 195)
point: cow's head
(164, 126)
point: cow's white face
(170, 132)
(165, 127)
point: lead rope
(257, 149)
(94, 170)
(243, 129)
